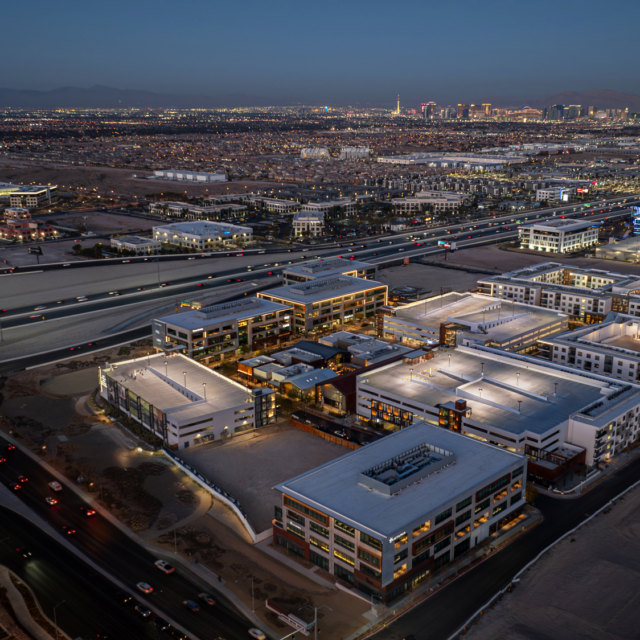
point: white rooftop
(336, 487)
(323, 289)
(203, 228)
(325, 268)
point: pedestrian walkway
(21, 609)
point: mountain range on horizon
(101, 97)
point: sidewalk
(382, 615)
(21, 609)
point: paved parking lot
(248, 466)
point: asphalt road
(121, 556)
(55, 574)
(68, 352)
(376, 250)
(442, 614)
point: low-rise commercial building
(183, 402)
(32, 197)
(345, 206)
(624, 250)
(17, 214)
(208, 333)
(329, 268)
(386, 517)
(522, 404)
(27, 230)
(138, 244)
(469, 318)
(559, 236)
(275, 205)
(328, 302)
(308, 223)
(202, 236)
(189, 176)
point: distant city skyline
(337, 54)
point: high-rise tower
(398, 107)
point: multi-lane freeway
(55, 574)
(205, 270)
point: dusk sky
(324, 52)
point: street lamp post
(55, 617)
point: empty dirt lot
(586, 588)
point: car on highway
(15, 486)
(257, 634)
(88, 511)
(161, 623)
(163, 565)
(10, 447)
(51, 501)
(341, 433)
(68, 530)
(2, 460)
(114, 293)
(191, 605)
(142, 610)
(123, 597)
(39, 308)
(23, 479)
(145, 587)
(25, 553)
(140, 289)
(205, 597)
(55, 485)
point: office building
(523, 404)
(559, 236)
(342, 206)
(202, 236)
(308, 223)
(555, 194)
(327, 302)
(468, 319)
(137, 244)
(182, 402)
(32, 197)
(275, 205)
(327, 268)
(208, 333)
(385, 517)
(17, 214)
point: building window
(344, 557)
(319, 543)
(319, 560)
(517, 472)
(463, 518)
(464, 503)
(401, 555)
(459, 549)
(342, 573)
(345, 528)
(482, 505)
(445, 558)
(368, 571)
(442, 544)
(368, 557)
(296, 530)
(499, 508)
(516, 497)
(493, 487)
(343, 542)
(443, 516)
(316, 528)
(372, 542)
(420, 558)
(295, 517)
(418, 531)
(304, 509)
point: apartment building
(327, 302)
(182, 402)
(328, 268)
(346, 206)
(519, 403)
(387, 516)
(584, 294)
(469, 318)
(208, 333)
(275, 205)
(611, 348)
(559, 236)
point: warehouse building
(385, 517)
(182, 402)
